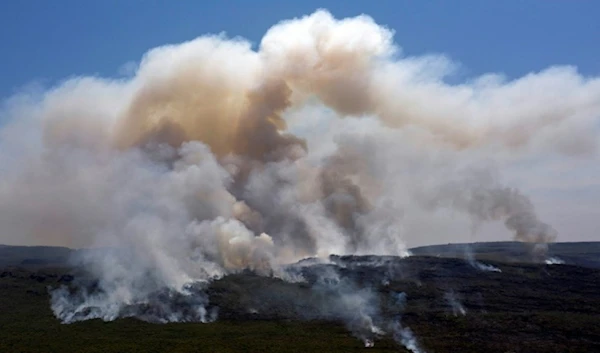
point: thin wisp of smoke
(215, 157)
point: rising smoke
(214, 157)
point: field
(524, 308)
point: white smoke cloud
(213, 157)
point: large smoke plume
(215, 157)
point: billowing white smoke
(214, 157)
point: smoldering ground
(215, 157)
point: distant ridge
(34, 255)
(585, 254)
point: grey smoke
(357, 307)
(554, 261)
(470, 257)
(453, 301)
(405, 336)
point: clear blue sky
(51, 40)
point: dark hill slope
(525, 308)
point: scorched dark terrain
(448, 303)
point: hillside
(450, 306)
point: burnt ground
(525, 308)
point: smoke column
(215, 157)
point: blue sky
(46, 41)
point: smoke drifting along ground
(215, 157)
